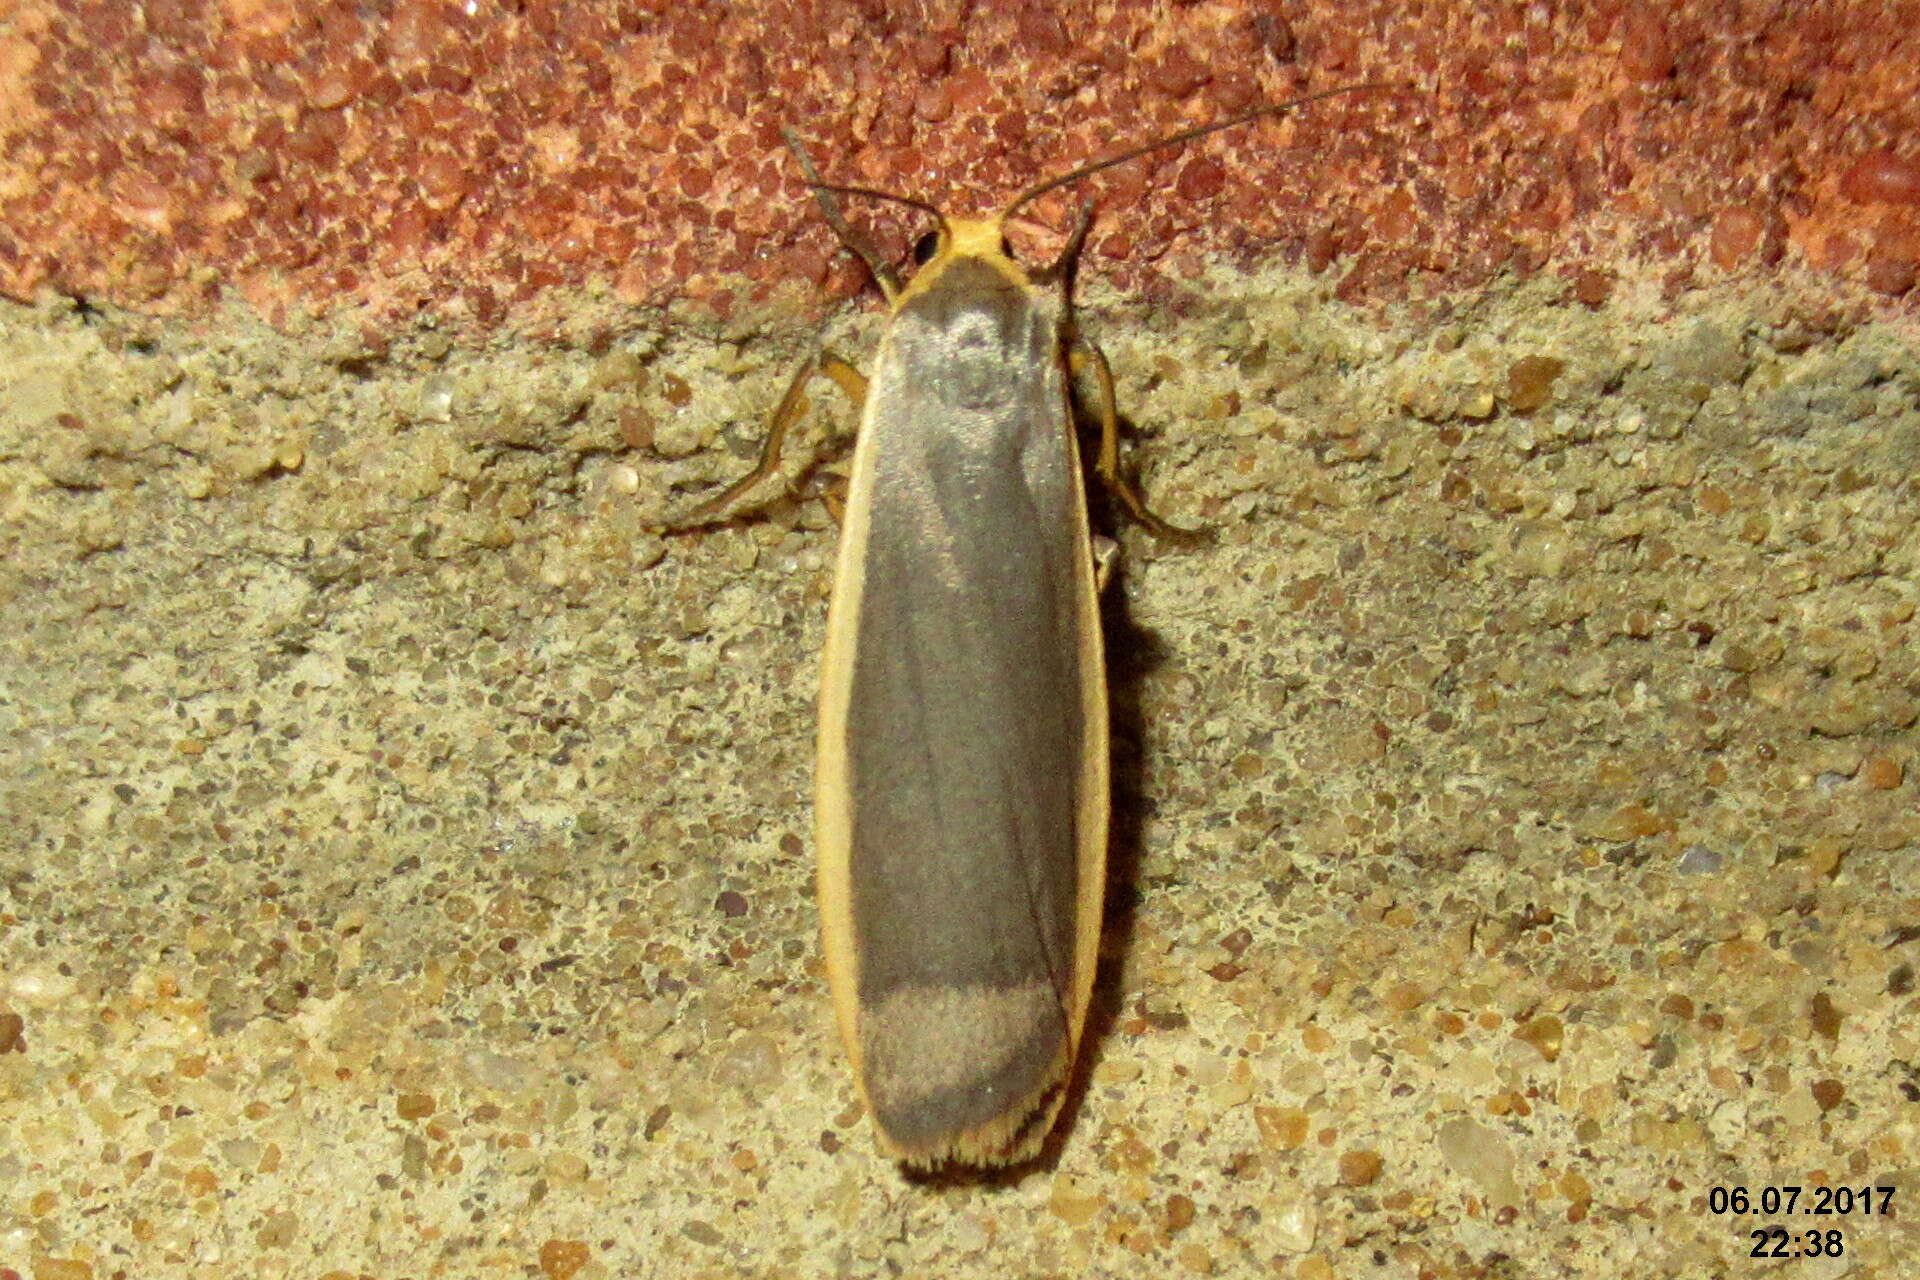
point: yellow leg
(1107, 462)
(1106, 554)
(849, 379)
(785, 414)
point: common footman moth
(961, 786)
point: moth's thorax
(975, 338)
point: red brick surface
(470, 155)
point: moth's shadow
(1132, 653)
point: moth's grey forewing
(964, 727)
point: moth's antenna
(1180, 139)
(824, 192)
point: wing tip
(970, 1077)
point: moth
(961, 787)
